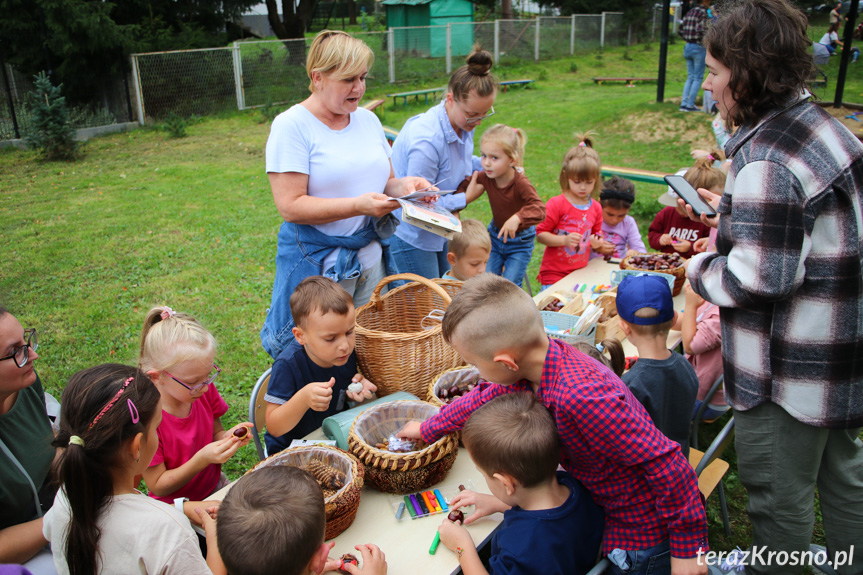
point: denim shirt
(301, 251)
(429, 147)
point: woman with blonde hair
(329, 167)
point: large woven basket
(457, 376)
(340, 506)
(394, 349)
(679, 272)
(399, 472)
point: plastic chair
(710, 469)
(258, 411)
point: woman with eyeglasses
(329, 167)
(25, 449)
(438, 145)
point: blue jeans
(694, 55)
(653, 561)
(411, 260)
(510, 259)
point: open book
(430, 217)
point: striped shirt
(787, 274)
(640, 477)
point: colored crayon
(435, 543)
(416, 505)
(427, 501)
(400, 511)
(575, 287)
(441, 501)
(410, 506)
(582, 288)
(422, 505)
(433, 501)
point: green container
(338, 426)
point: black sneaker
(688, 109)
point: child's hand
(368, 389)
(193, 510)
(596, 242)
(571, 241)
(483, 504)
(605, 248)
(219, 451)
(374, 561)
(205, 519)
(246, 438)
(693, 300)
(665, 240)
(631, 253)
(411, 430)
(700, 245)
(682, 246)
(319, 394)
(509, 228)
(453, 535)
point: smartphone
(688, 194)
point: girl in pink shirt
(177, 354)
(702, 342)
(573, 219)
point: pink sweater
(706, 349)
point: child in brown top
(515, 206)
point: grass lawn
(144, 220)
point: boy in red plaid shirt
(654, 512)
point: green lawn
(144, 220)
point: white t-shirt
(829, 38)
(140, 535)
(340, 164)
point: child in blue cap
(663, 381)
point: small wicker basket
(458, 375)
(679, 272)
(395, 350)
(399, 472)
(554, 322)
(340, 506)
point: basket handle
(376, 293)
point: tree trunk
(275, 21)
(506, 10)
(352, 12)
(291, 24)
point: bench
(373, 104)
(391, 134)
(630, 80)
(507, 83)
(634, 174)
(416, 94)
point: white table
(406, 542)
(598, 271)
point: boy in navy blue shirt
(550, 523)
(663, 381)
(310, 377)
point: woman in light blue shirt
(438, 146)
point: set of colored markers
(422, 504)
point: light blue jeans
(411, 260)
(653, 561)
(510, 259)
(694, 55)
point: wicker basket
(564, 298)
(561, 321)
(394, 351)
(609, 328)
(399, 472)
(679, 273)
(459, 375)
(340, 506)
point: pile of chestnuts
(656, 262)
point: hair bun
(479, 62)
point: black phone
(688, 194)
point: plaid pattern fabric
(787, 274)
(647, 488)
(694, 25)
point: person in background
(620, 235)
(438, 145)
(693, 28)
(469, 251)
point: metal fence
(260, 73)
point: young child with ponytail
(99, 522)
(516, 208)
(573, 219)
(177, 354)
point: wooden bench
(507, 83)
(391, 134)
(373, 105)
(416, 94)
(630, 80)
(634, 174)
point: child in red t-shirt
(573, 219)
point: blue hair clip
(600, 348)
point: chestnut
(348, 558)
(241, 432)
(456, 515)
(454, 391)
(461, 487)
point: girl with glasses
(438, 145)
(177, 354)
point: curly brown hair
(765, 45)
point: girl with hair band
(99, 522)
(515, 206)
(620, 235)
(177, 354)
(438, 145)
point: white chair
(258, 411)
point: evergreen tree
(51, 131)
